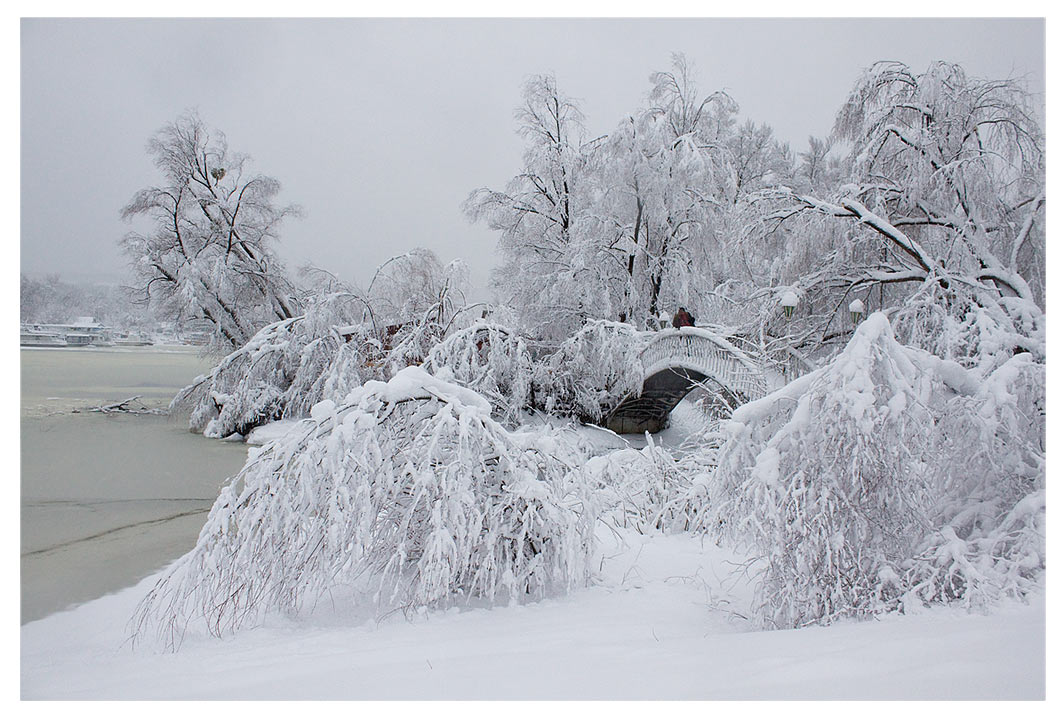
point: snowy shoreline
(666, 616)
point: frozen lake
(108, 499)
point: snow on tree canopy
(841, 479)
(408, 493)
(491, 359)
(591, 371)
(284, 369)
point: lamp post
(788, 302)
(856, 310)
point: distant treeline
(52, 300)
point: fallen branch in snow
(123, 407)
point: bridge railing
(708, 354)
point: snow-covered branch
(407, 493)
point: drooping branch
(1020, 238)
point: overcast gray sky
(381, 128)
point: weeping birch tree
(207, 252)
(539, 216)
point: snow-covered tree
(941, 217)
(663, 176)
(759, 160)
(407, 494)
(885, 479)
(415, 302)
(818, 170)
(344, 337)
(208, 253)
(538, 213)
(990, 531)
(631, 225)
(583, 377)
(494, 361)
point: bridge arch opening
(675, 362)
(661, 392)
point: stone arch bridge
(675, 362)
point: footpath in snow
(664, 622)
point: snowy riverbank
(663, 623)
(665, 618)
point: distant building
(83, 331)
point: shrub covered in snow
(591, 371)
(286, 368)
(409, 492)
(851, 483)
(651, 488)
(989, 537)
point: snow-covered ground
(664, 622)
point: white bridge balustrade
(706, 353)
(674, 362)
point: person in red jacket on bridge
(683, 318)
